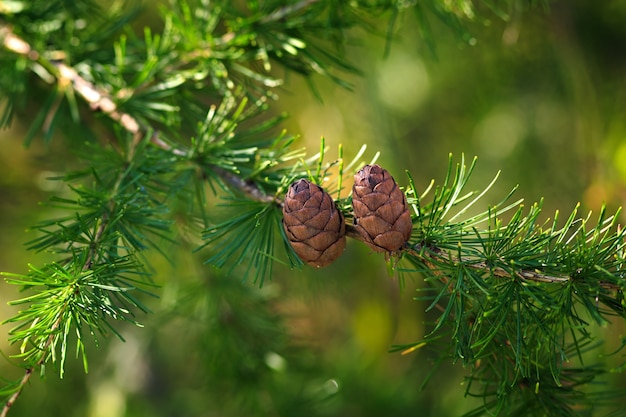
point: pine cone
(313, 224)
(381, 212)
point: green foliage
(177, 145)
(516, 298)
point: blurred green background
(541, 97)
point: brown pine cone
(381, 212)
(313, 224)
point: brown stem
(524, 274)
(30, 370)
(430, 258)
(100, 100)
(287, 10)
(16, 394)
(248, 188)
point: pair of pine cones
(316, 228)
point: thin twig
(249, 188)
(524, 274)
(287, 10)
(430, 258)
(100, 100)
(31, 369)
(15, 44)
(97, 98)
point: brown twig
(287, 10)
(100, 100)
(432, 257)
(524, 274)
(248, 188)
(30, 370)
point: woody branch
(99, 100)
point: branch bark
(100, 100)
(430, 258)
(31, 369)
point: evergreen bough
(155, 118)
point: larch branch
(100, 100)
